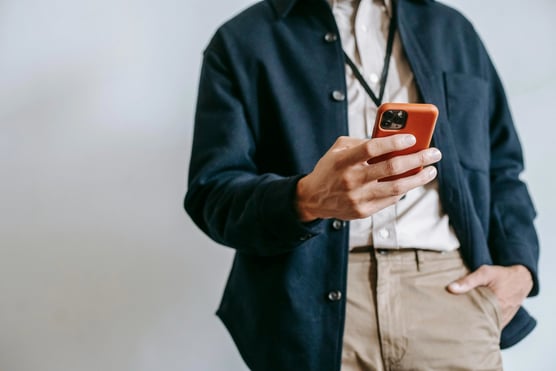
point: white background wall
(100, 269)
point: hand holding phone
(417, 119)
(343, 186)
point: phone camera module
(393, 120)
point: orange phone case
(420, 121)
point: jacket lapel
(430, 83)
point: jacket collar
(283, 7)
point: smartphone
(418, 119)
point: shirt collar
(385, 3)
(283, 7)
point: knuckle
(481, 274)
(484, 270)
(352, 202)
(396, 188)
(355, 205)
(389, 166)
(341, 139)
(393, 166)
(346, 183)
(423, 159)
(340, 142)
(370, 149)
(399, 142)
(360, 211)
(337, 166)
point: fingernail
(431, 172)
(434, 154)
(409, 140)
(456, 287)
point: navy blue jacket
(265, 115)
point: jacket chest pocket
(467, 109)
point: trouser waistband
(362, 249)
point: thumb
(479, 277)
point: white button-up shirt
(417, 221)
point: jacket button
(337, 224)
(330, 37)
(335, 295)
(338, 96)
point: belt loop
(373, 253)
(418, 259)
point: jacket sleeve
(512, 235)
(228, 197)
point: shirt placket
(371, 43)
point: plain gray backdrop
(100, 268)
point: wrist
(302, 197)
(524, 273)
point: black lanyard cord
(385, 68)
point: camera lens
(388, 115)
(386, 124)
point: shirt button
(384, 233)
(337, 224)
(330, 37)
(373, 77)
(338, 96)
(335, 295)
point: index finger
(376, 147)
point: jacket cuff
(519, 327)
(516, 254)
(279, 215)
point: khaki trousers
(399, 315)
